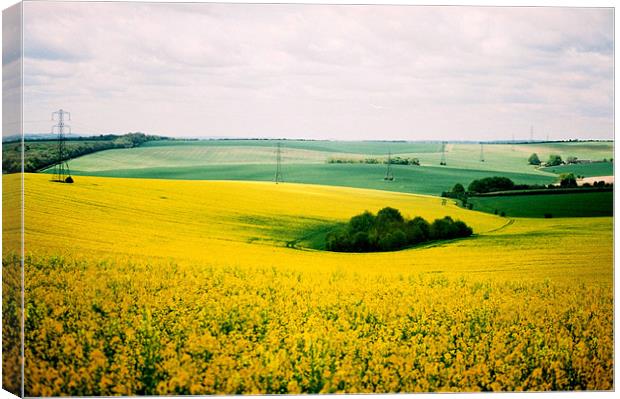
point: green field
(586, 170)
(178, 153)
(557, 205)
(348, 147)
(306, 162)
(410, 179)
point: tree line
(40, 154)
(393, 161)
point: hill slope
(137, 286)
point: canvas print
(206, 198)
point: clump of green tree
(554, 160)
(568, 180)
(403, 161)
(533, 159)
(393, 161)
(490, 184)
(388, 230)
(458, 192)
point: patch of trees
(388, 230)
(599, 184)
(568, 180)
(554, 160)
(489, 184)
(499, 185)
(457, 192)
(40, 154)
(404, 161)
(393, 161)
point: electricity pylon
(278, 176)
(61, 169)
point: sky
(320, 71)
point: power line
(389, 176)
(61, 169)
(278, 176)
(442, 162)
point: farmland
(199, 294)
(306, 162)
(39, 154)
(554, 205)
(430, 180)
(586, 169)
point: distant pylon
(61, 169)
(443, 154)
(278, 176)
(388, 174)
(481, 152)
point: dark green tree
(362, 222)
(568, 180)
(554, 160)
(533, 159)
(458, 189)
(489, 184)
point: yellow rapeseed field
(188, 287)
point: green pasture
(348, 147)
(306, 162)
(586, 169)
(411, 179)
(557, 205)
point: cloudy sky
(315, 71)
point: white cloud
(352, 72)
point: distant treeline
(393, 161)
(557, 190)
(40, 154)
(498, 185)
(390, 231)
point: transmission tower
(278, 176)
(443, 154)
(61, 169)
(481, 152)
(388, 174)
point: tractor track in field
(508, 223)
